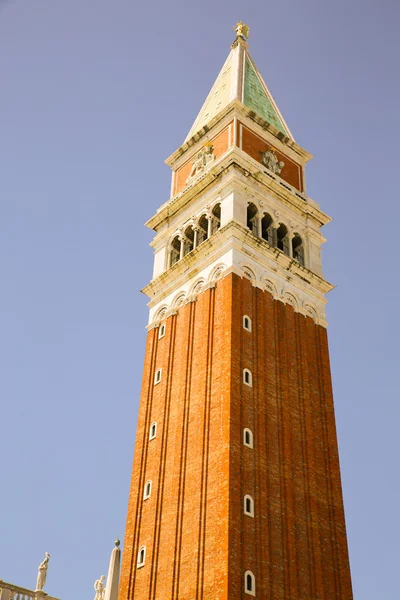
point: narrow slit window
(141, 557)
(246, 323)
(248, 506)
(157, 376)
(161, 331)
(147, 490)
(247, 378)
(153, 431)
(249, 583)
(248, 438)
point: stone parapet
(8, 591)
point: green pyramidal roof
(240, 79)
(256, 97)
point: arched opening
(249, 583)
(283, 239)
(175, 251)
(203, 229)
(248, 437)
(268, 233)
(298, 249)
(147, 490)
(157, 376)
(247, 377)
(252, 218)
(189, 240)
(141, 556)
(153, 431)
(216, 218)
(246, 323)
(248, 506)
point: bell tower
(236, 489)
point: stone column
(209, 231)
(290, 242)
(196, 236)
(113, 574)
(182, 248)
(259, 225)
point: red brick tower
(236, 486)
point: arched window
(189, 240)
(248, 506)
(247, 377)
(175, 251)
(252, 218)
(141, 559)
(246, 323)
(157, 376)
(216, 221)
(298, 249)
(248, 438)
(203, 229)
(161, 331)
(268, 233)
(153, 431)
(249, 583)
(147, 490)
(283, 239)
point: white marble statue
(42, 573)
(99, 588)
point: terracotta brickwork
(198, 540)
(221, 144)
(254, 145)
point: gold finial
(242, 30)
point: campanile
(236, 489)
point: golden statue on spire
(242, 30)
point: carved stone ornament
(203, 158)
(270, 160)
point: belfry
(236, 489)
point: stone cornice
(236, 158)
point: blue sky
(94, 96)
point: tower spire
(239, 79)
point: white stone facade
(234, 248)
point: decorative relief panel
(204, 157)
(184, 175)
(270, 160)
(265, 154)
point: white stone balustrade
(8, 591)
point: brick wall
(198, 540)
